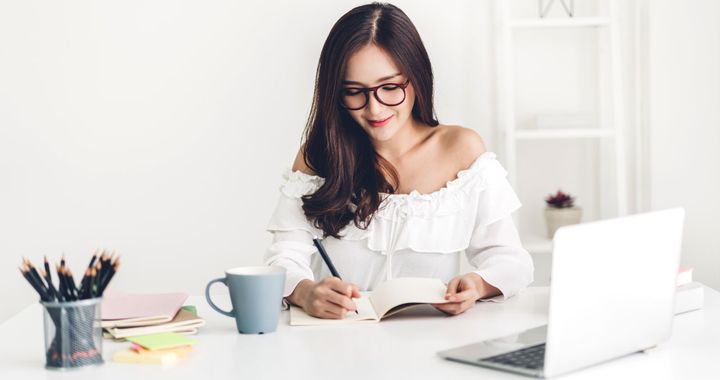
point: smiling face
(369, 67)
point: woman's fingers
(340, 286)
(331, 298)
(334, 311)
(451, 309)
(454, 308)
(324, 309)
(340, 300)
(355, 291)
(459, 301)
(470, 294)
(452, 288)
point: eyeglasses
(389, 94)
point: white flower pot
(558, 217)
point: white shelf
(577, 22)
(564, 133)
(604, 123)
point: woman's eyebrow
(379, 80)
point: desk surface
(403, 346)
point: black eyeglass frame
(367, 90)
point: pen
(326, 259)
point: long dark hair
(338, 149)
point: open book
(387, 299)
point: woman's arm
(503, 267)
(499, 258)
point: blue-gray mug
(256, 297)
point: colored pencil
(100, 271)
(48, 278)
(34, 283)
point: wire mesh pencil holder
(73, 335)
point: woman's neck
(407, 138)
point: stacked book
(689, 295)
(127, 315)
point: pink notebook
(120, 309)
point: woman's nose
(374, 106)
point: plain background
(160, 129)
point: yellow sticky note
(161, 341)
(181, 351)
(148, 357)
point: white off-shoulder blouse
(411, 235)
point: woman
(394, 193)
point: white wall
(683, 123)
(160, 129)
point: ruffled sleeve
(495, 249)
(292, 246)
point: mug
(256, 296)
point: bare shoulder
(464, 145)
(300, 164)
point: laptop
(612, 294)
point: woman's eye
(351, 92)
(390, 88)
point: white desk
(402, 347)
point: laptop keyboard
(532, 357)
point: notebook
(387, 299)
(185, 322)
(121, 309)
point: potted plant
(561, 211)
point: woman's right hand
(329, 298)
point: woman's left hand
(463, 291)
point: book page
(408, 290)
(366, 313)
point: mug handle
(210, 302)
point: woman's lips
(380, 123)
